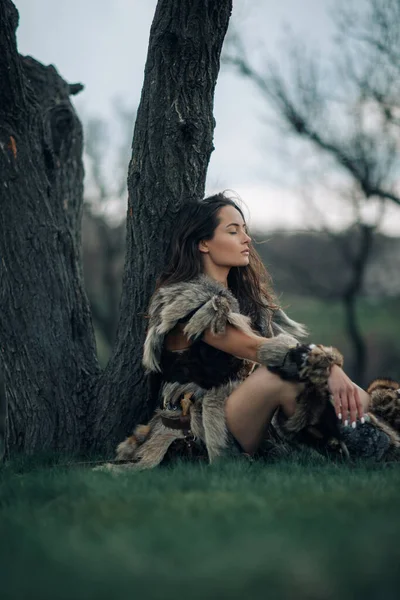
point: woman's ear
(203, 247)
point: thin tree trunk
(172, 144)
(359, 350)
(350, 299)
(46, 335)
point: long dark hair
(250, 284)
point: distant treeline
(319, 265)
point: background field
(379, 322)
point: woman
(234, 376)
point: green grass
(303, 530)
(379, 322)
(378, 318)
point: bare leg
(364, 397)
(250, 407)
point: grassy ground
(306, 529)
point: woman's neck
(217, 273)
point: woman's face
(229, 246)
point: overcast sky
(103, 44)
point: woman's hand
(345, 396)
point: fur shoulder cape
(204, 303)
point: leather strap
(181, 422)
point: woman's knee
(272, 383)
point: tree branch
(359, 165)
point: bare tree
(364, 147)
(58, 396)
(311, 112)
(373, 34)
(348, 252)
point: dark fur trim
(318, 363)
(314, 421)
(297, 362)
(274, 352)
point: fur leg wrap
(385, 401)
(374, 440)
(317, 364)
(299, 362)
(274, 355)
(314, 421)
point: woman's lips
(246, 252)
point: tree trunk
(3, 415)
(357, 341)
(350, 298)
(172, 144)
(46, 335)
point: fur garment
(214, 307)
(201, 304)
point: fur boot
(315, 422)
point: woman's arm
(345, 394)
(243, 344)
(236, 342)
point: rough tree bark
(172, 144)
(58, 398)
(3, 415)
(46, 336)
